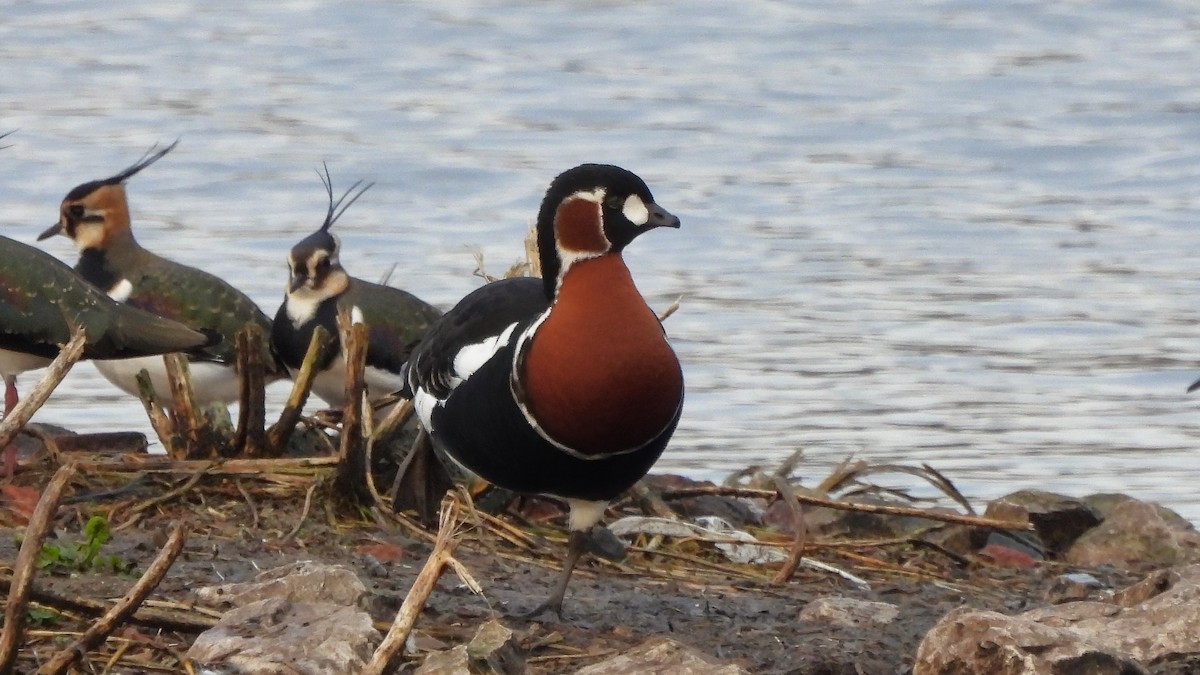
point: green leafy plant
(85, 555)
(40, 616)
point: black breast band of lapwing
(95, 215)
(42, 301)
(318, 287)
(563, 386)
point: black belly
(482, 428)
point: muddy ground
(688, 591)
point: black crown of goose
(467, 377)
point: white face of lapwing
(315, 275)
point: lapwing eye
(76, 210)
(322, 264)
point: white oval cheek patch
(635, 210)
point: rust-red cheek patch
(579, 226)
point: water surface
(958, 233)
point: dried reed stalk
(24, 568)
(388, 651)
(125, 607)
(973, 521)
(249, 440)
(57, 370)
(281, 432)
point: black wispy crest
(151, 156)
(337, 208)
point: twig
(23, 569)
(145, 616)
(281, 432)
(170, 494)
(301, 466)
(651, 502)
(796, 554)
(303, 513)
(844, 474)
(973, 521)
(353, 468)
(422, 588)
(98, 631)
(249, 439)
(58, 369)
(671, 309)
(184, 410)
(49, 442)
(395, 418)
(163, 427)
(250, 503)
(532, 255)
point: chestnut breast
(599, 376)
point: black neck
(93, 267)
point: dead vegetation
(307, 486)
(282, 501)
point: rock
(1012, 549)
(277, 636)
(849, 612)
(1105, 502)
(494, 649)
(1156, 584)
(1156, 619)
(298, 618)
(662, 656)
(300, 582)
(1071, 587)
(976, 641)
(1058, 520)
(450, 662)
(956, 539)
(1137, 532)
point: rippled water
(958, 233)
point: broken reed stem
(58, 369)
(531, 252)
(125, 607)
(249, 440)
(418, 595)
(796, 554)
(23, 569)
(958, 519)
(395, 419)
(298, 466)
(188, 484)
(281, 432)
(164, 428)
(303, 514)
(184, 411)
(353, 466)
(397, 416)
